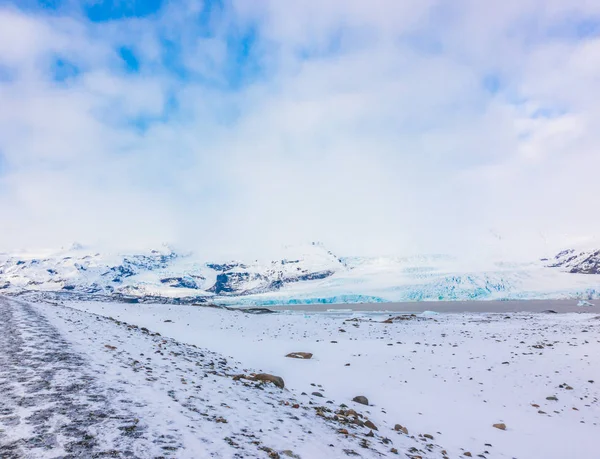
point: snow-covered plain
(75, 384)
(448, 376)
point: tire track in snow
(52, 403)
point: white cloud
(364, 125)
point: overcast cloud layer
(379, 127)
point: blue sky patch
(32, 5)
(242, 63)
(108, 10)
(204, 21)
(129, 58)
(63, 70)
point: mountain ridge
(306, 273)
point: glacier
(307, 274)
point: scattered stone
(468, 454)
(428, 436)
(500, 426)
(400, 428)
(361, 399)
(300, 355)
(271, 452)
(317, 394)
(108, 346)
(343, 431)
(552, 397)
(391, 320)
(370, 425)
(265, 377)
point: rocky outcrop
(180, 282)
(234, 282)
(586, 262)
(222, 267)
(310, 276)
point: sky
(238, 126)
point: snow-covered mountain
(577, 262)
(305, 274)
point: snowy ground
(75, 384)
(450, 377)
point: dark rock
(265, 377)
(180, 282)
(228, 282)
(258, 311)
(299, 355)
(225, 266)
(370, 425)
(361, 399)
(311, 276)
(400, 428)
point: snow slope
(304, 274)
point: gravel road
(52, 403)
